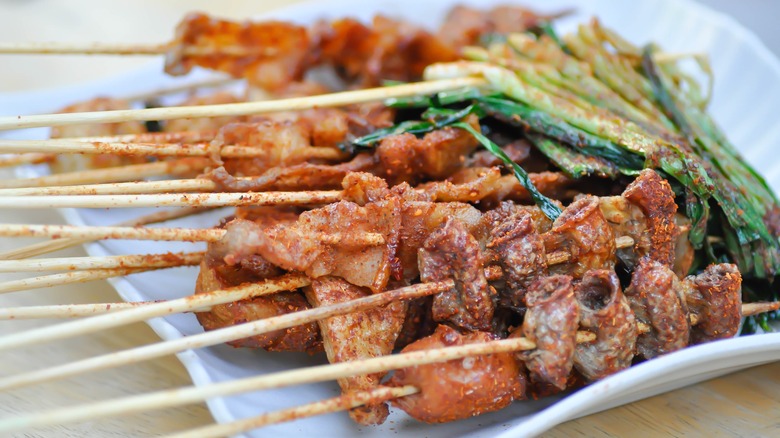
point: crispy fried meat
(459, 388)
(355, 336)
(604, 310)
(452, 253)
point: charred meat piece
(657, 299)
(604, 310)
(269, 54)
(714, 297)
(551, 322)
(520, 252)
(459, 388)
(331, 241)
(583, 233)
(452, 253)
(355, 336)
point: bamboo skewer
(190, 303)
(31, 158)
(59, 244)
(174, 200)
(201, 340)
(240, 109)
(127, 188)
(67, 278)
(70, 310)
(218, 336)
(108, 262)
(133, 172)
(346, 401)
(166, 234)
(180, 88)
(63, 146)
(183, 396)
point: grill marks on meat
(452, 253)
(656, 298)
(520, 252)
(605, 311)
(269, 54)
(308, 245)
(582, 231)
(715, 298)
(460, 388)
(355, 336)
(551, 322)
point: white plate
(746, 101)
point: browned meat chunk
(419, 220)
(269, 54)
(451, 253)
(551, 322)
(459, 388)
(715, 299)
(439, 154)
(332, 240)
(655, 198)
(582, 232)
(299, 338)
(517, 151)
(520, 252)
(656, 297)
(604, 310)
(355, 336)
(388, 49)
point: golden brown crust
(459, 388)
(715, 298)
(583, 232)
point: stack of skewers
(545, 210)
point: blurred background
(148, 21)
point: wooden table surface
(742, 404)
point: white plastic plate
(746, 103)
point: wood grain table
(742, 404)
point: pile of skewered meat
(434, 208)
